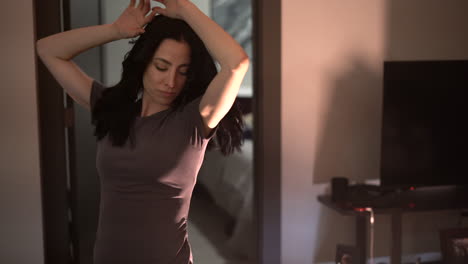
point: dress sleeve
(196, 123)
(96, 91)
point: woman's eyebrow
(168, 62)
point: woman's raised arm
(223, 89)
(56, 51)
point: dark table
(395, 203)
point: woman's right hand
(130, 23)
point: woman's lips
(167, 93)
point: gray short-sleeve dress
(146, 190)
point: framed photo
(454, 245)
(346, 254)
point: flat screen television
(424, 136)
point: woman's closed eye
(164, 69)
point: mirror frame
(51, 17)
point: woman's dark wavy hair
(117, 108)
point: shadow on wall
(349, 145)
(349, 135)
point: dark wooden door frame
(267, 126)
(53, 133)
(56, 198)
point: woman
(154, 126)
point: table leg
(396, 237)
(361, 238)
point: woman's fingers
(150, 16)
(141, 4)
(132, 3)
(161, 1)
(160, 10)
(146, 7)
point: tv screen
(424, 123)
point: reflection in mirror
(221, 225)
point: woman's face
(166, 73)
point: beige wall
(21, 238)
(330, 115)
(332, 54)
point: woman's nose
(170, 79)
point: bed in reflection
(229, 184)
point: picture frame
(346, 254)
(454, 245)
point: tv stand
(395, 203)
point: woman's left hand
(173, 8)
